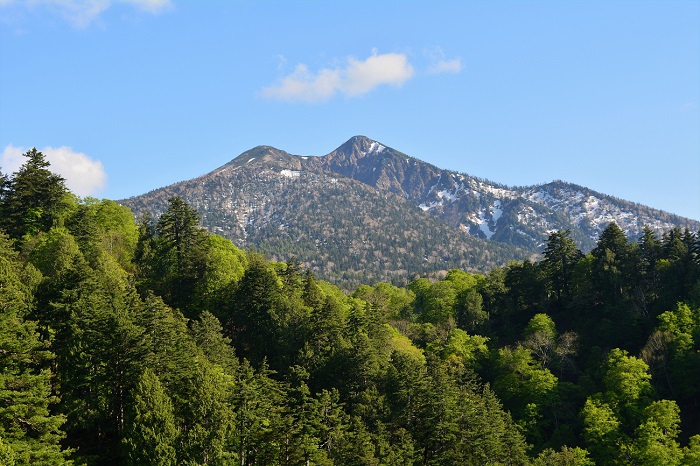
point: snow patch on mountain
(374, 148)
(446, 195)
(497, 212)
(484, 225)
(290, 173)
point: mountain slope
(521, 216)
(367, 212)
(344, 230)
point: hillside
(366, 212)
(522, 216)
(344, 230)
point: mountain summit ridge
(380, 214)
(478, 205)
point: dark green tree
(255, 311)
(560, 256)
(181, 253)
(650, 251)
(208, 334)
(151, 430)
(30, 431)
(611, 269)
(32, 200)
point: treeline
(156, 343)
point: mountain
(522, 216)
(367, 212)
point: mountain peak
(357, 147)
(268, 155)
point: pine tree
(180, 254)
(560, 256)
(29, 431)
(208, 334)
(151, 429)
(610, 269)
(32, 199)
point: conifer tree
(560, 256)
(29, 431)
(208, 334)
(151, 429)
(181, 253)
(611, 267)
(32, 200)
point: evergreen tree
(650, 251)
(151, 429)
(610, 270)
(181, 253)
(560, 256)
(208, 334)
(256, 311)
(32, 200)
(207, 418)
(30, 431)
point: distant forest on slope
(157, 343)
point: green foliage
(525, 388)
(560, 258)
(465, 350)
(566, 457)
(656, 436)
(627, 379)
(691, 453)
(30, 431)
(33, 199)
(225, 266)
(117, 232)
(151, 432)
(438, 302)
(196, 352)
(393, 302)
(601, 430)
(208, 334)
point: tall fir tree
(30, 431)
(151, 430)
(32, 200)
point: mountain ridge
(367, 212)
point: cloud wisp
(84, 176)
(446, 66)
(81, 13)
(354, 78)
(441, 64)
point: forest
(152, 342)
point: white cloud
(84, 176)
(83, 12)
(446, 66)
(354, 78)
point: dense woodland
(153, 342)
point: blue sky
(130, 95)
